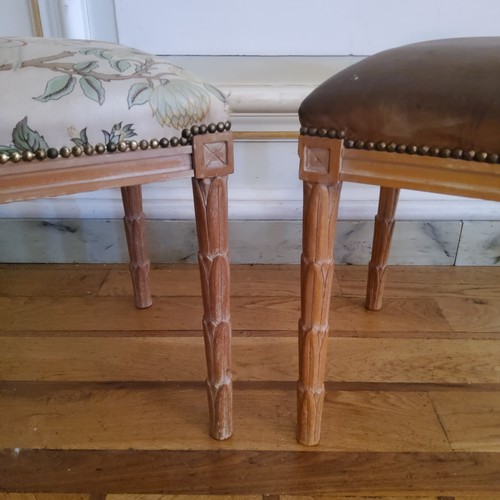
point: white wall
(15, 18)
(297, 27)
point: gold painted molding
(36, 19)
(265, 135)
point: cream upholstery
(58, 92)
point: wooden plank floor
(99, 400)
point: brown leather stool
(424, 116)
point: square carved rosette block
(213, 155)
(319, 159)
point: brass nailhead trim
(122, 146)
(392, 147)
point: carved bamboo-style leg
(382, 236)
(317, 270)
(134, 229)
(210, 198)
(320, 163)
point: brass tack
(492, 158)
(65, 152)
(144, 144)
(77, 150)
(52, 153)
(312, 131)
(480, 156)
(359, 144)
(203, 129)
(4, 158)
(445, 153)
(195, 130)
(88, 149)
(164, 142)
(15, 157)
(40, 154)
(369, 145)
(100, 148)
(411, 149)
(434, 151)
(304, 130)
(380, 146)
(221, 127)
(391, 147)
(228, 125)
(212, 128)
(154, 143)
(401, 148)
(28, 155)
(457, 153)
(341, 134)
(174, 141)
(122, 146)
(111, 147)
(133, 145)
(469, 155)
(332, 134)
(423, 150)
(348, 143)
(322, 132)
(186, 133)
(183, 141)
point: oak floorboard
(417, 275)
(387, 360)
(99, 399)
(343, 497)
(44, 496)
(246, 281)
(248, 472)
(183, 497)
(174, 416)
(470, 425)
(252, 313)
(48, 282)
(471, 314)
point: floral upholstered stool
(424, 116)
(83, 115)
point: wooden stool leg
(211, 209)
(382, 236)
(134, 229)
(319, 221)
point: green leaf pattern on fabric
(57, 87)
(82, 140)
(175, 102)
(26, 139)
(119, 133)
(139, 93)
(92, 88)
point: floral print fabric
(57, 92)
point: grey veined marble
(263, 242)
(479, 244)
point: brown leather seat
(441, 94)
(424, 116)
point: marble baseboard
(273, 242)
(479, 242)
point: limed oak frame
(208, 161)
(324, 164)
